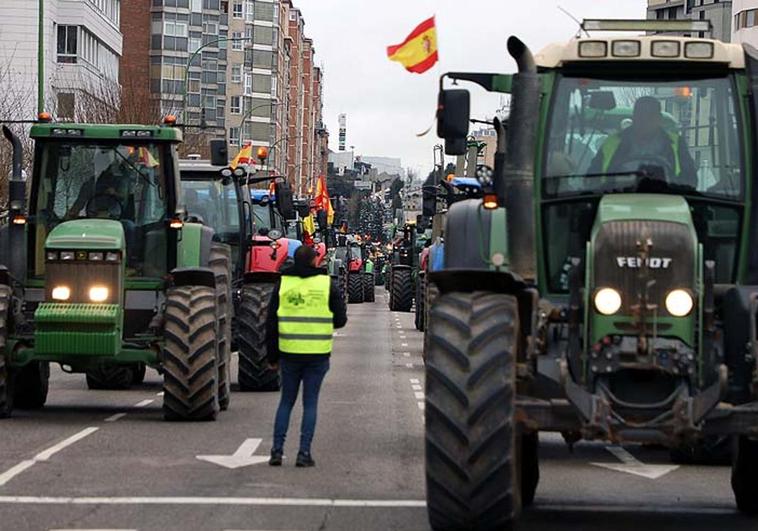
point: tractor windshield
(656, 136)
(123, 182)
(215, 203)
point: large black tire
(745, 475)
(355, 288)
(6, 377)
(530, 466)
(220, 262)
(368, 287)
(254, 373)
(190, 354)
(472, 464)
(111, 377)
(31, 386)
(401, 291)
(420, 311)
(139, 374)
(713, 450)
(431, 294)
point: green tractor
(401, 273)
(606, 284)
(105, 276)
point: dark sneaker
(276, 458)
(304, 460)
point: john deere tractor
(106, 276)
(606, 284)
(252, 222)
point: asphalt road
(106, 460)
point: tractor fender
(195, 245)
(400, 266)
(193, 276)
(474, 236)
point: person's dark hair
(648, 105)
(305, 255)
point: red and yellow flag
(418, 53)
(322, 199)
(245, 156)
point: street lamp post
(41, 58)
(189, 63)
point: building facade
(745, 21)
(81, 53)
(718, 12)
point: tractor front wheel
(354, 288)
(220, 262)
(254, 373)
(420, 315)
(31, 386)
(190, 354)
(472, 458)
(368, 287)
(111, 377)
(401, 291)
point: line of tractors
(125, 257)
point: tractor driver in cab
(646, 146)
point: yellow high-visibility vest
(305, 320)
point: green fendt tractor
(606, 285)
(106, 277)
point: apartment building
(81, 53)
(718, 12)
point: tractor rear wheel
(111, 377)
(530, 466)
(254, 373)
(6, 377)
(140, 370)
(401, 291)
(31, 386)
(354, 288)
(745, 475)
(712, 450)
(472, 466)
(368, 287)
(190, 354)
(220, 263)
(420, 299)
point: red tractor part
(424, 259)
(355, 265)
(266, 256)
(321, 251)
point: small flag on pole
(245, 156)
(418, 53)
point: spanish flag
(418, 53)
(322, 199)
(244, 156)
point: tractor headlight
(95, 257)
(679, 303)
(112, 257)
(61, 293)
(98, 293)
(67, 255)
(607, 301)
(51, 256)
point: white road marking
(114, 418)
(419, 395)
(416, 387)
(409, 365)
(159, 394)
(631, 465)
(242, 457)
(415, 380)
(403, 344)
(205, 500)
(144, 403)
(421, 405)
(339, 334)
(44, 455)
(407, 354)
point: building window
(264, 35)
(67, 44)
(237, 42)
(194, 44)
(197, 6)
(249, 11)
(264, 11)
(248, 88)
(237, 74)
(175, 29)
(262, 83)
(293, 15)
(237, 9)
(235, 105)
(66, 106)
(234, 136)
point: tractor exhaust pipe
(515, 188)
(15, 245)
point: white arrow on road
(244, 456)
(631, 465)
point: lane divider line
(419, 395)
(416, 387)
(114, 418)
(415, 380)
(216, 500)
(421, 405)
(409, 365)
(144, 403)
(44, 455)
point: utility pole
(41, 59)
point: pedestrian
(304, 311)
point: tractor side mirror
(453, 112)
(602, 100)
(284, 200)
(219, 153)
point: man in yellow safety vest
(645, 144)
(304, 311)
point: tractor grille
(618, 265)
(79, 276)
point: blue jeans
(311, 373)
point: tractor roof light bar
(649, 25)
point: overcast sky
(385, 105)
